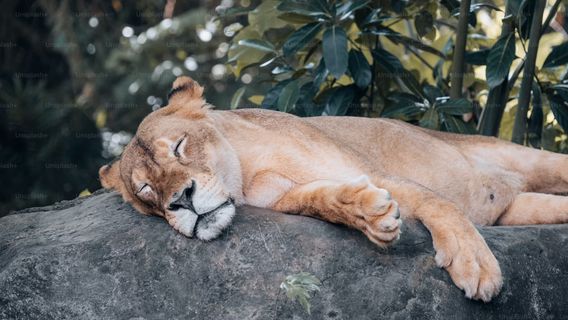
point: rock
(95, 257)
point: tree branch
(458, 64)
(520, 128)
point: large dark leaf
(430, 119)
(558, 97)
(339, 101)
(335, 50)
(297, 18)
(432, 93)
(359, 68)
(300, 38)
(451, 5)
(320, 73)
(402, 39)
(392, 69)
(307, 8)
(478, 57)
(289, 96)
(525, 16)
(424, 23)
(457, 125)
(476, 7)
(455, 106)
(403, 106)
(347, 8)
(305, 106)
(260, 45)
(557, 57)
(388, 62)
(271, 97)
(499, 60)
(536, 120)
(374, 18)
(237, 97)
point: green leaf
(307, 8)
(299, 287)
(237, 97)
(335, 50)
(225, 12)
(346, 9)
(320, 73)
(430, 119)
(424, 23)
(456, 125)
(388, 62)
(289, 96)
(432, 93)
(558, 97)
(359, 68)
(499, 60)
(374, 17)
(398, 38)
(296, 18)
(271, 97)
(476, 7)
(393, 69)
(339, 101)
(525, 16)
(451, 5)
(478, 57)
(455, 107)
(305, 106)
(403, 106)
(557, 57)
(300, 38)
(260, 45)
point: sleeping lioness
(193, 165)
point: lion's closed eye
(145, 192)
(179, 146)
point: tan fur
(355, 171)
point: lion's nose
(185, 199)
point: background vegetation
(77, 76)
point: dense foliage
(394, 59)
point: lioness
(193, 165)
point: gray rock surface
(96, 258)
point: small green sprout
(299, 287)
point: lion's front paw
(471, 265)
(375, 213)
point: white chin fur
(212, 226)
(185, 221)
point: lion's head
(179, 166)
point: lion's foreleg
(460, 249)
(358, 204)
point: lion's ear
(186, 99)
(184, 90)
(109, 175)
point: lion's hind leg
(535, 208)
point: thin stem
(458, 64)
(373, 79)
(520, 128)
(413, 51)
